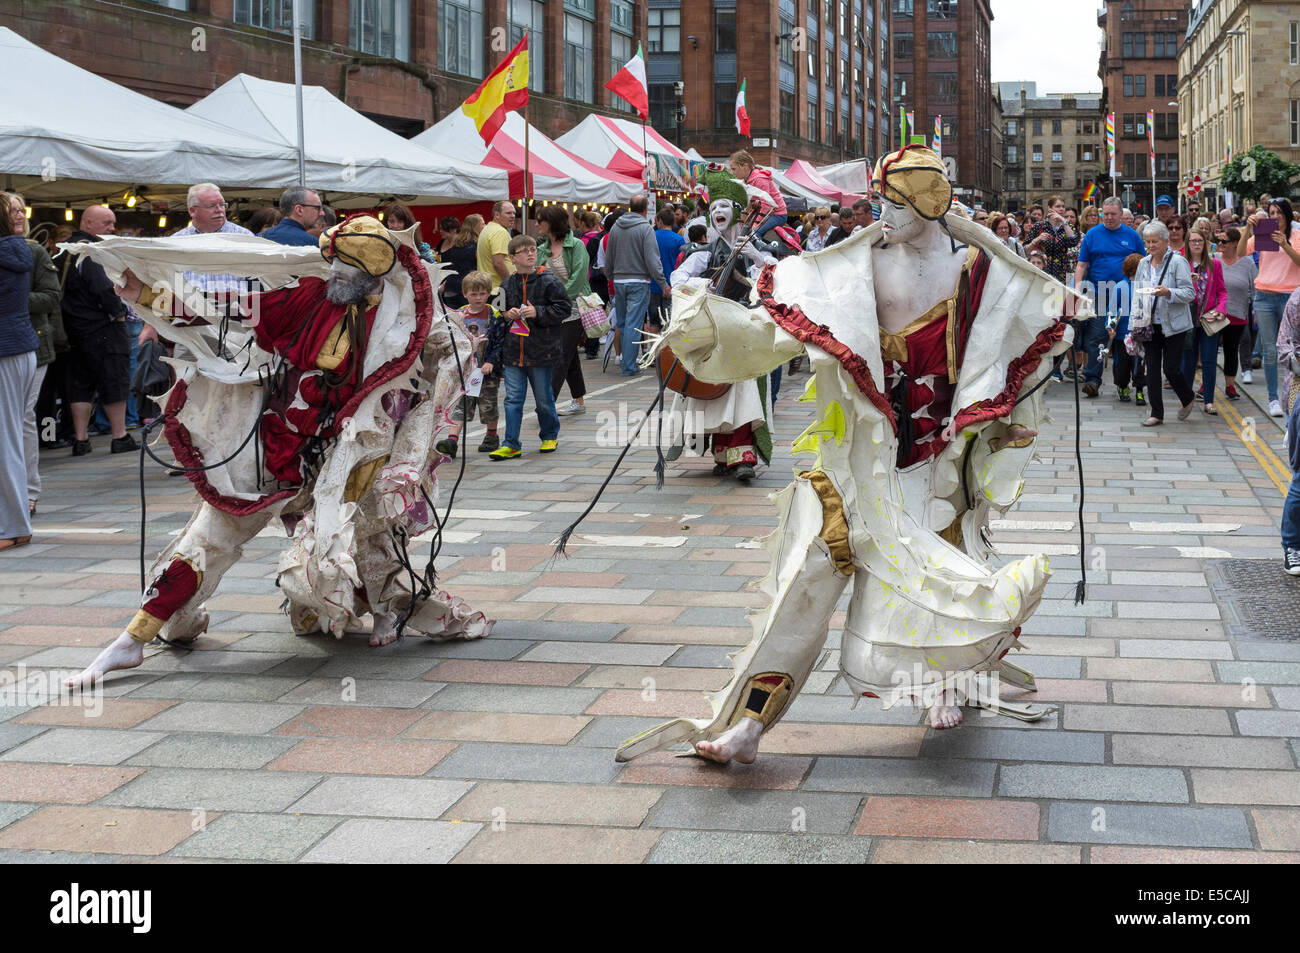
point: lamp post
(695, 47)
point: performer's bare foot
(945, 716)
(122, 652)
(738, 743)
(1016, 436)
(385, 630)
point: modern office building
(1139, 74)
(941, 70)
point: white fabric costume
(925, 614)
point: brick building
(1139, 72)
(1051, 145)
(1239, 85)
(403, 63)
(816, 75)
(941, 69)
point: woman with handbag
(1162, 316)
(1239, 280)
(1208, 308)
(565, 256)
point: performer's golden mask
(363, 242)
(914, 176)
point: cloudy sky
(1054, 42)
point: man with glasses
(302, 211)
(981, 217)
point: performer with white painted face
(926, 337)
(323, 412)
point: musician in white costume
(922, 334)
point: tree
(1259, 172)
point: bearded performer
(735, 423)
(324, 413)
(926, 338)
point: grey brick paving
(1263, 673)
(725, 809)
(202, 750)
(231, 717)
(366, 841)
(524, 699)
(527, 763)
(371, 692)
(939, 778)
(262, 837)
(213, 790)
(382, 797)
(1076, 747)
(1102, 783)
(11, 734)
(1139, 824)
(83, 745)
(710, 847)
(1283, 724)
(10, 812)
(611, 731)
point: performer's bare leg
(186, 573)
(735, 744)
(385, 630)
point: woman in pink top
(774, 211)
(1279, 275)
(1211, 295)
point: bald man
(95, 319)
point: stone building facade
(1051, 145)
(1139, 73)
(1239, 86)
(941, 69)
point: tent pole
(297, 92)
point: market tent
(854, 175)
(616, 144)
(67, 135)
(789, 187)
(557, 174)
(804, 174)
(346, 152)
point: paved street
(1175, 740)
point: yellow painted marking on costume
(810, 391)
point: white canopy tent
(851, 176)
(346, 152)
(558, 175)
(72, 136)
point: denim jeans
(772, 221)
(1095, 340)
(1209, 362)
(1291, 514)
(518, 380)
(631, 304)
(1268, 312)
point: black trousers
(1125, 366)
(569, 366)
(1166, 352)
(1230, 337)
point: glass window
(902, 83)
(529, 16)
(813, 126)
(174, 4)
(269, 15)
(943, 88)
(582, 7)
(724, 105)
(1038, 127)
(381, 27)
(1126, 46)
(1295, 122)
(1293, 44)
(620, 51)
(724, 27)
(902, 46)
(1038, 179)
(579, 41)
(1158, 45)
(1126, 12)
(1013, 154)
(622, 17)
(787, 113)
(1140, 45)
(663, 31)
(1038, 152)
(460, 37)
(1128, 85)
(1056, 152)
(812, 59)
(941, 46)
(1011, 127)
(785, 51)
(1140, 85)
(1160, 84)
(944, 9)
(901, 8)
(1056, 127)
(663, 105)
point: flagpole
(528, 179)
(297, 92)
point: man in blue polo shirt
(301, 209)
(670, 243)
(1101, 262)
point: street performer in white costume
(922, 333)
(322, 407)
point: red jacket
(762, 179)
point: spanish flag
(505, 89)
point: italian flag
(742, 117)
(630, 84)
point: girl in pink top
(774, 211)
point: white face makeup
(900, 223)
(721, 214)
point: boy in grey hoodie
(632, 262)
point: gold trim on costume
(361, 478)
(144, 627)
(952, 533)
(893, 344)
(835, 526)
(777, 696)
(335, 349)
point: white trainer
(1275, 409)
(571, 408)
(1245, 376)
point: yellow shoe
(548, 446)
(505, 453)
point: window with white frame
(273, 15)
(381, 28)
(1295, 122)
(1294, 42)
(460, 37)
(620, 46)
(579, 41)
(529, 16)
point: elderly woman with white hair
(1164, 292)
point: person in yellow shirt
(494, 243)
